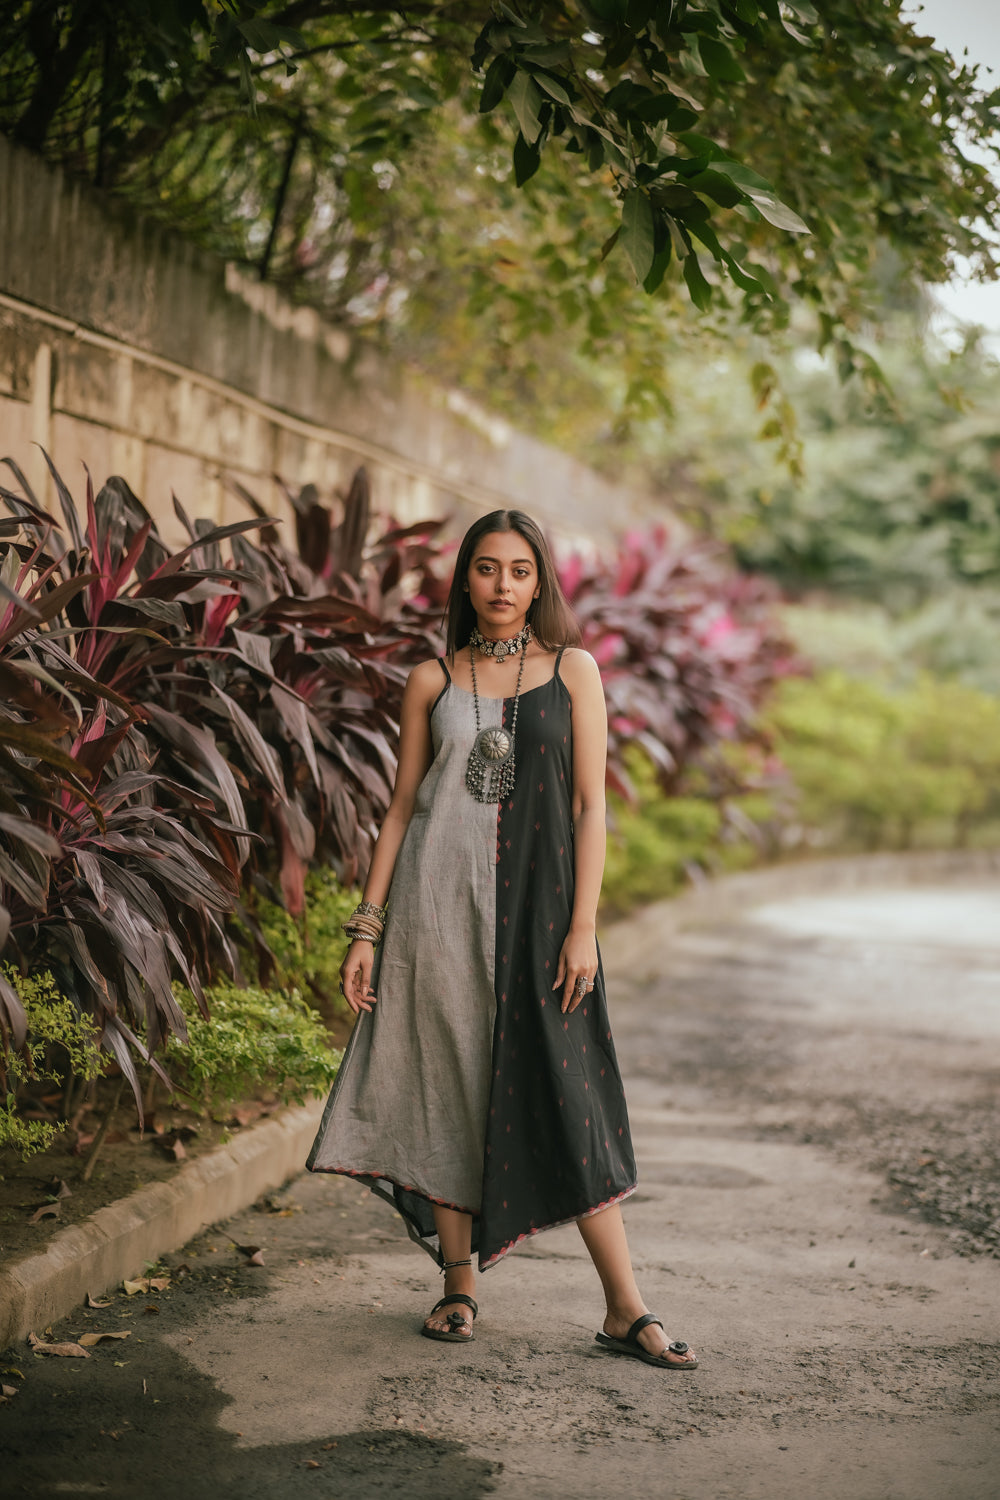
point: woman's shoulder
(426, 678)
(578, 668)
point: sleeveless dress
(465, 1085)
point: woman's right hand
(355, 976)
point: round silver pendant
(494, 745)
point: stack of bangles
(366, 922)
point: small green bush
(61, 1044)
(308, 951)
(253, 1039)
(657, 842)
(889, 767)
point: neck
(492, 632)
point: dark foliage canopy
(755, 152)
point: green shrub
(657, 842)
(253, 1039)
(878, 766)
(61, 1045)
(309, 950)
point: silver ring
(581, 985)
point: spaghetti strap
(555, 669)
(447, 683)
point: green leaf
(526, 101)
(720, 62)
(658, 269)
(554, 89)
(498, 75)
(638, 232)
(742, 277)
(779, 214)
(701, 292)
(690, 58)
(717, 187)
(527, 160)
(744, 10)
(762, 196)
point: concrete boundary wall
(124, 348)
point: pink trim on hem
(487, 1265)
(494, 1260)
(404, 1187)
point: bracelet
(366, 922)
(369, 909)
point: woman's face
(502, 581)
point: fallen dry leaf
(47, 1211)
(90, 1301)
(151, 1307)
(147, 1284)
(311, 1463)
(8, 1390)
(60, 1189)
(88, 1340)
(253, 1253)
(67, 1351)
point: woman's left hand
(577, 968)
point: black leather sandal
(456, 1321)
(630, 1345)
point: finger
(560, 972)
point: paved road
(780, 1066)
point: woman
(480, 1092)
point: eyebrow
(484, 557)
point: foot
(460, 1279)
(652, 1338)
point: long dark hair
(552, 621)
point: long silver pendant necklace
(489, 775)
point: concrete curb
(118, 1240)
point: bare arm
(578, 956)
(423, 686)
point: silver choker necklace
(500, 650)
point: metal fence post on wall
(41, 422)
